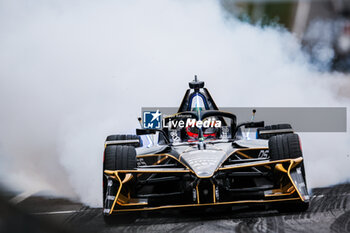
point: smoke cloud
(73, 72)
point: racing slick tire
(287, 146)
(117, 157)
(273, 127)
(117, 137)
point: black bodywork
(226, 169)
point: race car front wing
(160, 186)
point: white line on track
(318, 196)
(57, 212)
(21, 197)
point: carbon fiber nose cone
(204, 162)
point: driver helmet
(198, 103)
(208, 132)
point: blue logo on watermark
(152, 119)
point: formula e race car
(202, 157)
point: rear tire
(272, 127)
(118, 137)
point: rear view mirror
(257, 124)
(145, 131)
(152, 131)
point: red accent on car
(195, 135)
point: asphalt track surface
(329, 212)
